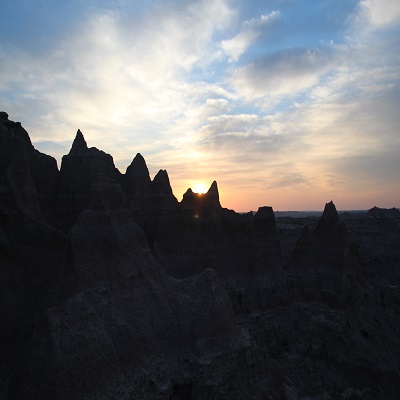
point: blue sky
(285, 103)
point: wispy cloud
(250, 31)
(285, 74)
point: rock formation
(98, 302)
(119, 311)
(244, 249)
(18, 155)
(79, 169)
(316, 266)
(377, 212)
(136, 183)
(139, 296)
(30, 249)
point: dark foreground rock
(139, 296)
(316, 267)
(244, 249)
(119, 313)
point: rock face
(136, 183)
(160, 205)
(244, 249)
(143, 297)
(28, 186)
(30, 249)
(99, 301)
(18, 156)
(121, 311)
(316, 267)
(79, 169)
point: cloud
(115, 69)
(248, 134)
(381, 13)
(207, 93)
(283, 74)
(238, 45)
(288, 180)
(241, 123)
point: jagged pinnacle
(213, 190)
(79, 143)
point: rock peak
(211, 199)
(188, 192)
(161, 182)
(329, 226)
(79, 143)
(138, 167)
(330, 213)
(162, 175)
(137, 177)
(213, 189)
(139, 157)
(3, 115)
(265, 213)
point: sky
(285, 103)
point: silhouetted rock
(29, 171)
(136, 182)
(79, 169)
(17, 189)
(377, 212)
(200, 205)
(122, 314)
(16, 307)
(30, 250)
(191, 200)
(3, 116)
(211, 199)
(154, 205)
(315, 269)
(161, 185)
(95, 316)
(79, 145)
(244, 249)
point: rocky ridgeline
(111, 288)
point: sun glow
(200, 188)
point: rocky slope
(111, 288)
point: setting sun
(200, 188)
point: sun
(200, 188)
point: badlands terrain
(112, 289)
